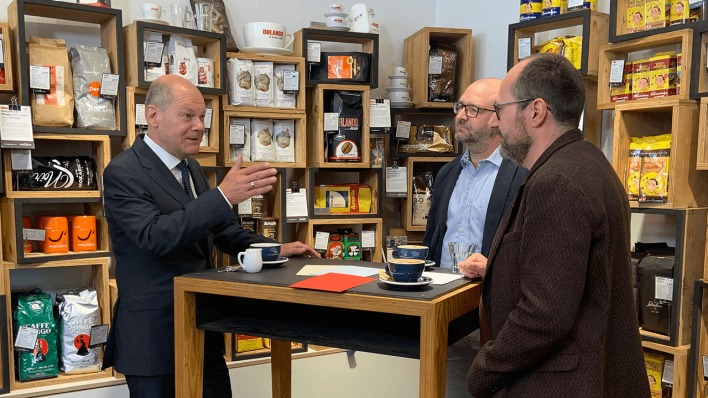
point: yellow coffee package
(551, 8)
(641, 85)
(56, 108)
(654, 183)
(634, 169)
(552, 46)
(564, 7)
(248, 343)
(343, 198)
(573, 50)
(530, 9)
(657, 13)
(635, 16)
(681, 13)
(655, 365)
(678, 73)
(428, 138)
(623, 92)
(663, 75)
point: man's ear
(152, 115)
(540, 112)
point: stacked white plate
(342, 15)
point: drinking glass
(205, 14)
(459, 251)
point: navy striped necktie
(182, 166)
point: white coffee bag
(281, 99)
(241, 89)
(183, 61)
(284, 133)
(263, 81)
(262, 140)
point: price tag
(617, 73)
(291, 81)
(435, 65)
(296, 206)
(524, 48)
(153, 53)
(575, 3)
(40, 79)
(205, 140)
(664, 288)
(2, 55)
(396, 186)
(403, 129)
(244, 208)
(33, 234)
(109, 85)
(98, 336)
(16, 127)
(331, 121)
(207, 119)
(21, 159)
(26, 339)
(667, 376)
(313, 53)
(237, 134)
(705, 367)
(321, 241)
(380, 113)
(140, 115)
(368, 239)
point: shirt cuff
(227, 201)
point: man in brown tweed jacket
(557, 291)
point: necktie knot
(182, 167)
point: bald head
(471, 121)
(163, 90)
(484, 91)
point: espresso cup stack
(399, 92)
(337, 18)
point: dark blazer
(509, 177)
(157, 234)
(557, 291)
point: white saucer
(401, 104)
(399, 77)
(429, 263)
(394, 89)
(425, 282)
(275, 263)
(335, 14)
(155, 21)
(340, 28)
(266, 50)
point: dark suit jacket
(509, 177)
(157, 234)
(557, 291)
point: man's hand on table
(296, 249)
(475, 266)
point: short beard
(518, 150)
(478, 141)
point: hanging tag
(2, 54)
(617, 73)
(140, 115)
(33, 234)
(40, 79)
(403, 129)
(321, 241)
(435, 65)
(291, 82)
(705, 367)
(21, 159)
(380, 113)
(153, 54)
(524, 48)
(667, 376)
(26, 339)
(663, 288)
(109, 85)
(207, 120)
(98, 336)
(313, 51)
(16, 126)
(244, 208)
(331, 121)
(237, 135)
(296, 206)
(396, 184)
(368, 239)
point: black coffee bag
(656, 312)
(57, 174)
(345, 144)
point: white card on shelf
(296, 204)
(153, 52)
(140, 115)
(291, 81)
(435, 65)
(109, 85)
(617, 72)
(524, 47)
(575, 3)
(237, 134)
(667, 376)
(21, 159)
(26, 338)
(313, 51)
(2, 53)
(368, 239)
(380, 113)
(33, 234)
(663, 288)
(396, 181)
(403, 129)
(321, 240)
(244, 208)
(331, 121)
(98, 336)
(207, 118)
(16, 127)
(705, 367)
(40, 78)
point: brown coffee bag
(55, 109)
(427, 138)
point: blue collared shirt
(468, 204)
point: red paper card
(332, 282)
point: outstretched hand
(241, 184)
(297, 249)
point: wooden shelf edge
(648, 103)
(76, 262)
(441, 105)
(65, 387)
(357, 165)
(666, 206)
(275, 111)
(52, 194)
(334, 221)
(300, 355)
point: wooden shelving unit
(699, 67)
(299, 63)
(369, 44)
(315, 126)
(618, 24)
(8, 56)
(110, 21)
(209, 45)
(413, 165)
(276, 205)
(621, 50)
(681, 368)
(306, 232)
(688, 187)
(702, 154)
(415, 56)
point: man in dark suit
(470, 197)
(164, 221)
(557, 290)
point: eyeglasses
(472, 111)
(497, 107)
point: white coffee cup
(400, 71)
(251, 260)
(400, 82)
(152, 11)
(337, 22)
(266, 34)
(399, 96)
(337, 8)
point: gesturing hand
(475, 266)
(297, 249)
(240, 184)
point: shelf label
(40, 79)
(98, 336)
(524, 48)
(667, 376)
(705, 367)
(153, 53)
(313, 51)
(575, 3)
(16, 127)
(380, 113)
(396, 186)
(368, 239)
(207, 119)
(26, 339)
(109, 85)
(403, 129)
(237, 135)
(663, 288)
(331, 121)
(21, 159)
(2, 54)
(33, 234)
(321, 241)
(296, 206)
(140, 115)
(617, 73)
(244, 208)
(291, 82)
(435, 65)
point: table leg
(189, 346)
(433, 355)
(280, 368)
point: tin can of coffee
(249, 223)
(268, 227)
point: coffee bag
(263, 81)
(58, 173)
(241, 88)
(281, 99)
(78, 312)
(262, 140)
(656, 311)
(88, 65)
(183, 61)
(345, 145)
(422, 197)
(284, 131)
(55, 109)
(441, 86)
(34, 309)
(428, 138)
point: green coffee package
(34, 309)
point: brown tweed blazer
(557, 291)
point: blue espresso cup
(269, 251)
(406, 269)
(411, 251)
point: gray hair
(160, 94)
(554, 79)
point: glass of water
(459, 251)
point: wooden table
(371, 318)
